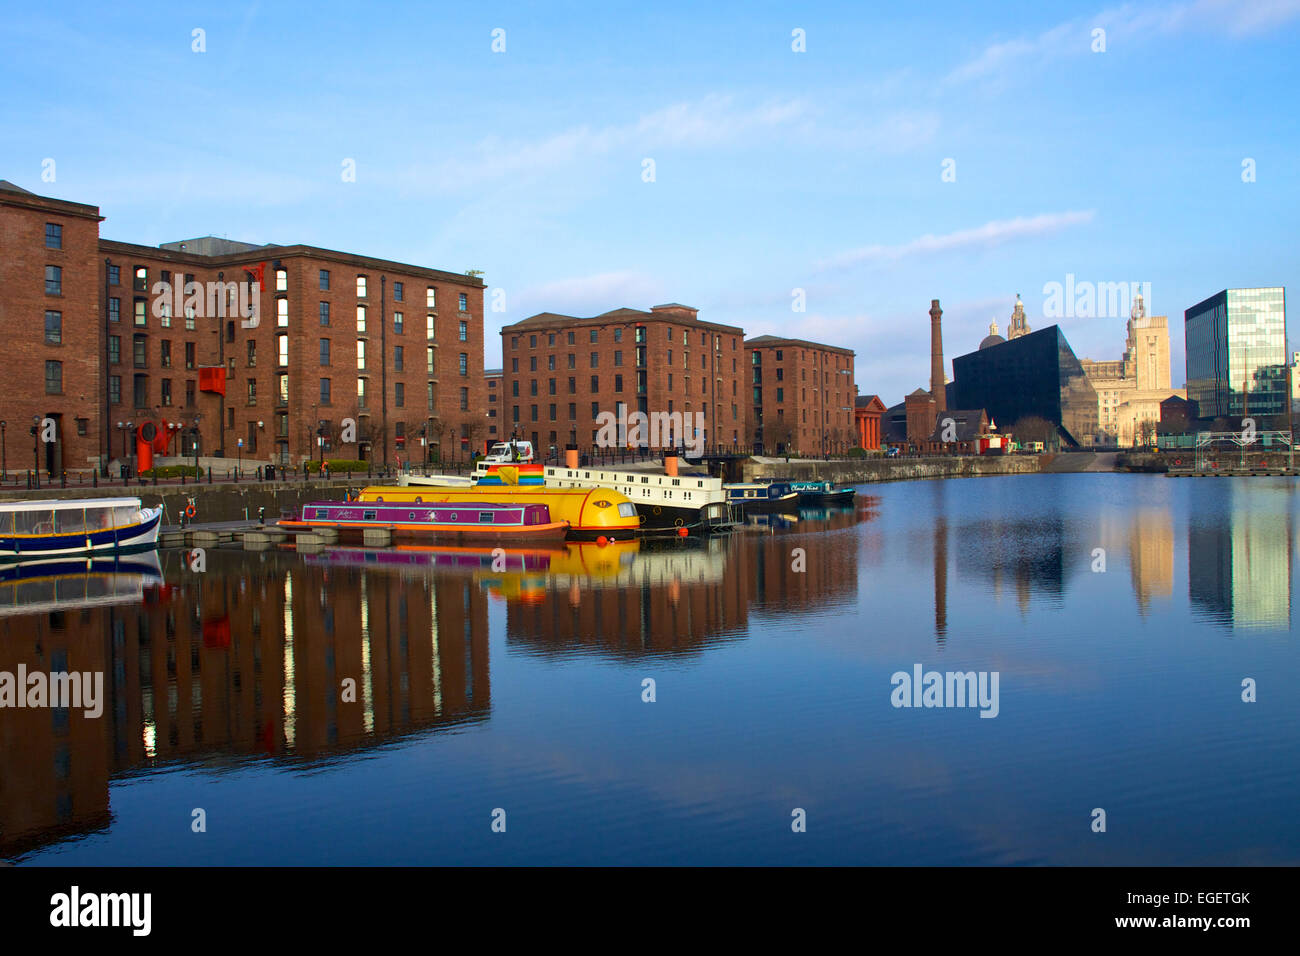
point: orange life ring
(189, 511)
(1178, 461)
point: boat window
(124, 515)
(97, 519)
(367, 516)
(645, 481)
(34, 522)
(410, 516)
(322, 513)
(626, 509)
(7, 522)
(676, 481)
(453, 516)
(485, 517)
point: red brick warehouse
(95, 341)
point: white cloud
(593, 294)
(712, 121)
(1074, 37)
(986, 236)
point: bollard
(209, 474)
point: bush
(345, 464)
(171, 471)
(857, 453)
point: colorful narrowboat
(762, 496)
(435, 521)
(590, 512)
(41, 529)
(821, 492)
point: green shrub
(171, 471)
(857, 453)
(345, 464)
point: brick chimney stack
(937, 390)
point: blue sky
(774, 170)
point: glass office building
(1034, 375)
(1236, 353)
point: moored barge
(434, 521)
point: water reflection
(250, 660)
(1239, 562)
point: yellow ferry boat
(591, 512)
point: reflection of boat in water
(455, 521)
(437, 558)
(37, 587)
(80, 526)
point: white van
(509, 452)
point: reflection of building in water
(830, 563)
(1151, 555)
(248, 658)
(1239, 568)
(1032, 553)
(630, 599)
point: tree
(777, 435)
(1033, 428)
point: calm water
(521, 688)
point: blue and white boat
(762, 496)
(821, 492)
(46, 529)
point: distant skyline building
(1019, 325)
(1033, 375)
(1130, 390)
(1236, 353)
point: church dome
(991, 340)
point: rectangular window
(550, 386)
(464, 302)
(324, 313)
(397, 292)
(165, 314)
(618, 383)
(282, 389)
(399, 395)
(141, 281)
(397, 358)
(54, 328)
(114, 275)
(361, 393)
(325, 391)
(282, 342)
(361, 318)
(166, 393)
(595, 360)
(189, 355)
(53, 280)
(361, 355)
(324, 351)
(595, 384)
(324, 280)
(430, 298)
(115, 389)
(189, 318)
(165, 353)
(429, 332)
(397, 323)
(361, 287)
(464, 331)
(252, 391)
(281, 280)
(594, 336)
(428, 357)
(115, 310)
(552, 411)
(139, 351)
(573, 385)
(114, 349)
(189, 393)
(464, 363)
(573, 411)
(53, 378)
(618, 355)
(428, 395)
(141, 391)
(532, 363)
(282, 313)
(595, 409)
(53, 236)
(464, 399)
(141, 317)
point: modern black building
(1034, 375)
(1236, 353)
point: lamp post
(4, 455)
(196, 445)
(36, 458)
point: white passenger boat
(40, 529)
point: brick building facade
(802, 396)
(560, 372)
(136, 334)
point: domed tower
(1019, 325)
(992, 338)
